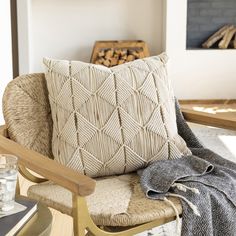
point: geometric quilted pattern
(112, 120)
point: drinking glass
(8, 179)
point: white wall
(5, 49)
(196, 74)
(24, 35)
(67, 29)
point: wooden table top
(219, 113)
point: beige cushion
(112, 121)
(117, 201)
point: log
(124, 57)
(135, 54)
(101, 53)
(113, 56)
(107, 63)
(99, 61)
(109, 54)
(116, 56)
(130, 58)
(120, 48)
(234, 41)
(121, 62)
(118, 52)
(123, 53)
(114, 61)
(217, 36)
(224, 43)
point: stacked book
(12, 221)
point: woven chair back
(27, 113)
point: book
(11, 224)
(17, 208)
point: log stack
(112, 53)
(225, 38)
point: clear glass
(8, 179)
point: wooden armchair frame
(79, 184)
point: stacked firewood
(224, 38)
(112, 57)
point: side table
(39, 225)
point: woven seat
(117, 201)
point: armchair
(27, 135)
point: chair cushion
(112, 121)
(117, 201)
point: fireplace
(205, 17)
(198, 73)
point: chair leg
(78, 218)
(78, 230)
(81, 218)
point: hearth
(205, 18)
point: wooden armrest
(30, 176)
(208, 119)
(75, 182)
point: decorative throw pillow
(112, 120)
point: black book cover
(9, 225)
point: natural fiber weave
(112, 121)
(27, 113)
(126, 206)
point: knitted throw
(204, 182)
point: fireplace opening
(205, 18)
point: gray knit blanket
(204, 182)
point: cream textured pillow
(112, 120)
